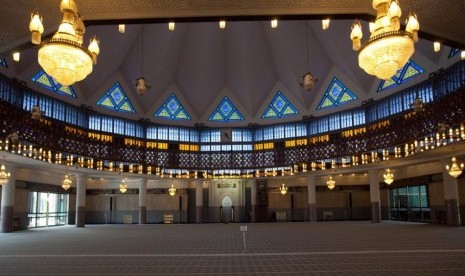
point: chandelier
(4, 175)
(66, 183)
(388, 48)
(454, 170)
(283, 189)
(63, 56)
(172, 190)
(388, 176)
(123, 187)
(331, 183)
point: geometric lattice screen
(172, 109)
(337, 94)
(115, 99)
(44, 80)
(279, 107)
(410, 70)
(226, 111)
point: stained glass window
(410, 70)
(3, 62)
(279, 107)
(115, 99)
(172, 109)
(336, 95)
(226, 111)
(44, 80)
(453, 52)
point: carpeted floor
(322, 248)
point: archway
(226, 210)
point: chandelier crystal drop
(388, 176)
(455, 170)
(66, 183)
(63, 56)
(388, 48)
(283, 189)
(172, 190)
(331, 183)
(4, 175)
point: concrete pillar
(199, 201)
(253, 198)
(143, 201)
(451, 196)
(311, 184)
(373, 176)
(81, 180)
(8, 201)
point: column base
(81, 216)
(375, 212)
(452, 212)
(7, 219)
(142, 215)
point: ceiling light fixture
(222, 24)
(437, 46)
(388, 48)
(172, 190)
(274, 23)
(455, 170)
(283, 189)
(122, 28)
(141, 84)
(171, 26)
(462, 55)
(325, 24)
(388, 176)
(418, 105)
(66, 183)
(331, 183)
(63, 56)
(36, 113)
(307, 80)
(4, 175)
(16, 56)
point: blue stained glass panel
(279, 107)
(172, 109)
(409, 71)
(226, 111)
(115, 99)
(336, 94)
(44, 80)
(3, 62)
(453, 52)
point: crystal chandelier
(172, 190)
(283, 189)
(63, 56)
(123, 187)
(66, 183)
(388, 176)
(454, 170)
(331, 183)
(4, 175)
(388, 48)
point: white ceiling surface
(248, 61)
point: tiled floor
(322, 248)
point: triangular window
(44, 80)
(410, 70)
(336, 95)
(172, 109)
(115, 99)
(226, 111)
(279, 107)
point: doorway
(226, 210)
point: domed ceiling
(248, 64)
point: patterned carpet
(322, 248)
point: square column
(311, 184)
(81, 187)
(143, 201)
(373, 177)
(199, 201)
(8, 201)
(253, 198)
